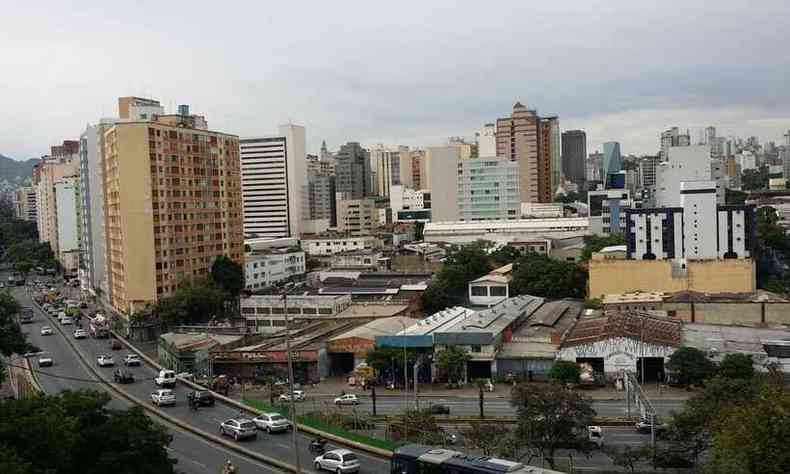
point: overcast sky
(405, 72)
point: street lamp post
(294, 429)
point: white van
(166, 378)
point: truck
(99, 327)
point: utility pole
(294, 429)
(373, 396)
(480, 386)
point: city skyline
(615, 77)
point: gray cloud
(405, 72)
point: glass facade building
(488, 189)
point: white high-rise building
(684, 163)
(274, 183)
(68, 221)
(486, 140)
(392, 167)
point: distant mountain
(13, 170)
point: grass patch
(318, 424)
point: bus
(420, 459)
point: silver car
(272, 422)
(337, 460)
(238, 428)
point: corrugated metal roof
(634, 325)
(379, 327)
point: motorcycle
(318, 446)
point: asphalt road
(462, 406)
(194, 455)
(277, 446)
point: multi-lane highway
(194, 454)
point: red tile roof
(634, 325)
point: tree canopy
(755, 179)
(449, 286)
(228, 275)
(195, 302)
(594, 243)
(540, 275)
(565, 371)
(12, 339)
(737, 366)
(74, 432)
(451, 362)
(690, 366)
(551, 417)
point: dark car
(115, 345)
(122, 376)
(203, 398)
(644, 426)
(440, 410)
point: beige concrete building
(614, 276)
(173, 204)
(25, 207)
(441, 164)
(356, 216)
(531, 140)
(50, 171)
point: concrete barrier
(170, 419)
(241, 406)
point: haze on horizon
(409, 72)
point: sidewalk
(334, 385)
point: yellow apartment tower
(172, 192)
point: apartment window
(477, 349)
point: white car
(45, 360)
(131, 359)
(340, 461)
(347, 399)
(66, 320)
(105, 361)
(271, 422)
(162, 397)
(46, 331)
(298, 395)
(80, 334)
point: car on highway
(341, 461)
(271, 422)
(595, 436)
(644, 426)
(163, 397)
(131, 359)
(297, 394)
(203, 398)
(105, 361)
(166, 378)
(45, 360)
(115, 344)
(46, 331)
(347, 399)
(122, 376)
(440, 409)
(80, 334)
(238, 428)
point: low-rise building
(505, 231)
(634, 301)
(364, 260)
(492, 288)
(349, 349)
(266, 268)
(542, 210)
(356, 216)
(266, 313)
(329, 245)
(189, 352)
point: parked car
(45, 360)
(202, 397)
(105, 361)
(122, 376)
(595, 436)
(297, 394)
(347, 399)
(238, 428)
(271, 422)
(440, 410)
(46, 331)
(80, 334)
(115, 344)
(341, 461)
(131, 359)
(644, 426)
(163, 397)
(166, 378)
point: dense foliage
(19, 243)
(540, 275)
(755, 179)
(195, 302)
(74, 432)
(690, 366)
(449, 286)
(594, 243)
(451, 362)
(565, 371)
(228, 275)
(12, 340)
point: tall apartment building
(173, 205)
(393, 168)
(698, 229)
(25, 207)
(488, 189)
(69, 222)
(686, 163)
(530, 140)
(274, 183)
(439, 162)
(486, 140)
(356, 216)
(418, 179)
(673, 137)
(550, 127)
(50, 170)
(321, 197)
(574, 155)
(647, 170)
(465, 150)
(352, 171)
